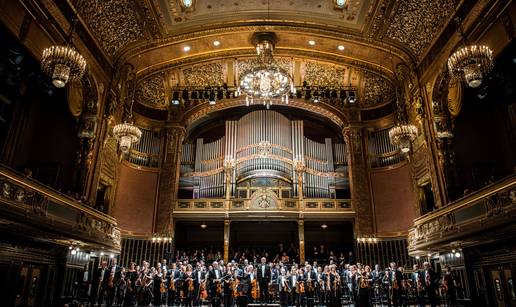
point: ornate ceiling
(152, 35)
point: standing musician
(294, 285)
(418, 287)
(364, 280)
(199, 278)
(284, 287)
(430, 283)
(158, 288)
(310, 278)
(377, 275)
(112, 281)
(130, 277)
(189, 280)
(215, 283)
(244, 285)
(336, 286)
(173, 275)
(264, 278)
(394, 278)
(229, 284)
(448, 286)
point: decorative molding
(416, 23)
(377, 90)
(151, 91)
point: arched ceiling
(376, 35)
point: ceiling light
(311, 42)
(111, 256)
(340, 47)
(417, 257)
(457, 255)
(429, 255)
(203, 226)
(324, 226)
(186, 48)
(216, 43)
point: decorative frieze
(151, 91)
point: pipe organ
(258, 151)
(147, 152)
(382, 152)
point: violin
(172, 285)
(300, 287)
(218, 287)
(203, 291)
(162, 288)
(190, 285)
(236, 282)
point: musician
(100, 283)
(310, 278)
(335, 284)
(130, 277)
(448, 285)
(229, 284)
(284, 287)
(189, 285)
(113, 276)
(264, 278)
(295, 284)
(171, 278)
(319, 290)
(417, 285)
(158, 288)
(199, 278)
(430, 283)
(394, 278)
(244, 285)
(364, 280)
(215, 284)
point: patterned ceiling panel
(211, 74)
(114, 23)
(321, 74)
(377, 90)
(151, 91)
(416, 23)
(244, 65)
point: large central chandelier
(470, 62)
(266, 80)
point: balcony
(260, 208)
(41, 212)
(479, 217)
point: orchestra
(287, 284)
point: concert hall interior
(234, 152)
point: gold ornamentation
(203, 75)
(415, 23)
(244, 65)
(151, 91)
(377, 90)
(322, 74)
(114, 23)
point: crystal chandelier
(266, 81)
(63, 63)
(402, 135)
(126, 133)
(471, 62)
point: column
(359, 181)
(301, 231)
(227, 224)
(169, 179)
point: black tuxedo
(214, 277)
(394, 277)
(264, 277)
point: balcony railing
(491, 206)
(247, 205)
(35, 204)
